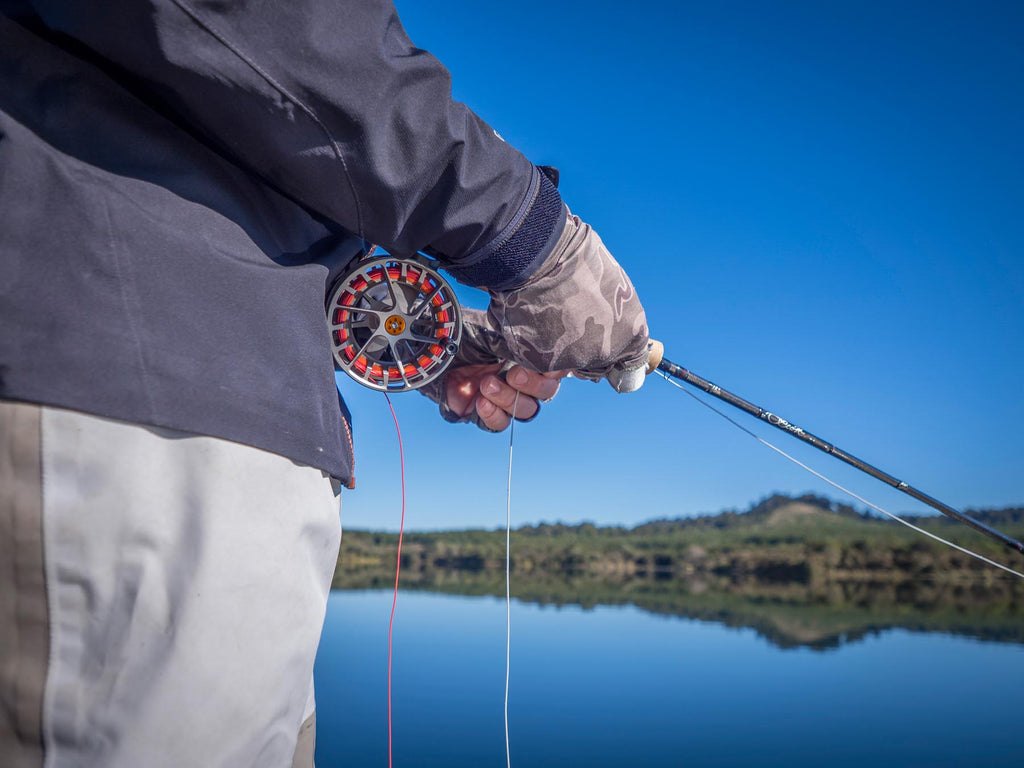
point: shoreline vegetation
(802, 571)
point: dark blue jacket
(174, 178)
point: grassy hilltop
(780, 539)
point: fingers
(496, 392)
(462, 387)
(535, 386)
(493, 417)
(480, 388)
(498, 400)
(542, 386)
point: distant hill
(805, 539)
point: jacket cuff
(512, 257)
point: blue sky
(821, 206)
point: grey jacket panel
(174, 178)
(328, 100)
(144, 277)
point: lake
(617, 685)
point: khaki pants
(161, 596)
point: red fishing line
(398, 565)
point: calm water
(617, 686)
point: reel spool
(395, 323)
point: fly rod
(658, 361)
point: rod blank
(678, 372)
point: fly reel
(395, 323)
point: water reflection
(787, 609)
(620, 686)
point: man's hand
(474, 389)
(479, 390)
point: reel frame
(395, 323)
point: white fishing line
(508, 562)
(834, 484)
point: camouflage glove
(578, 313)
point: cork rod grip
(657, 352)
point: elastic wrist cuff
(513, 256)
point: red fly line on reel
(395, 323)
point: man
(179, 181)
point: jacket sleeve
(331, 102)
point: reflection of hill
(788, 615)
(800, 572)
